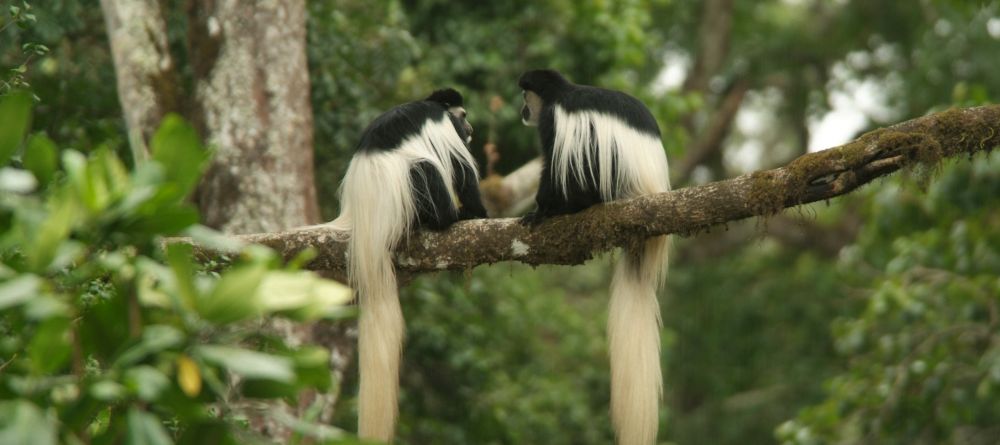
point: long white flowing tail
(629, 163)
(380, 343)
(634, 342)
(378, 207)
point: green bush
(111, 333)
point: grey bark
(144, 68)
(252, 95)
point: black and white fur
(600, 145)
(411, 169)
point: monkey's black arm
(467, 188)
(548, 200)
(435, 209)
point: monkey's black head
(541, 87)
(452, 101)
(547, 84)
(449, 97)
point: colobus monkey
(600, 145)
(412, 168)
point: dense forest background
(869, 319)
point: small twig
(78, 364)
(4, 365)
(134, 316)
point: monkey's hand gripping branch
(919, 144)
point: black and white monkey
(600, 145)
(411, 169)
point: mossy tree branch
(572, 239)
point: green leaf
(249, 364)
(15, 180)
(19, 290)
(179, 259)
(107, 390)
(234, 296)
(147, 382)
(50, 346)
(176, 147)
(43, 307)
(312, 366)
(216, 432)
(66, 254)
(155, 338)
(165, 221)
(75, 165)
(21, 422)
(116, 175)
(15, 111)
(53, 231)
(145, 429)
(302, 295)
(88, 179)
(41, 158)
(267, 389)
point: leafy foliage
(750, 345)
(63, 59)
(109, 337)
(923, 354)
(14, 79)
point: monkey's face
(460, 114)
(532, 108)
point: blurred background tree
(869, 320)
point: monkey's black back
(616, 103)
(388, 131)
(581, 113)
(436, 208)
(554, 89)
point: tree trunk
(252, 103)
(143, 66)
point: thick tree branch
(573, 239)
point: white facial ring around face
(532, 108)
